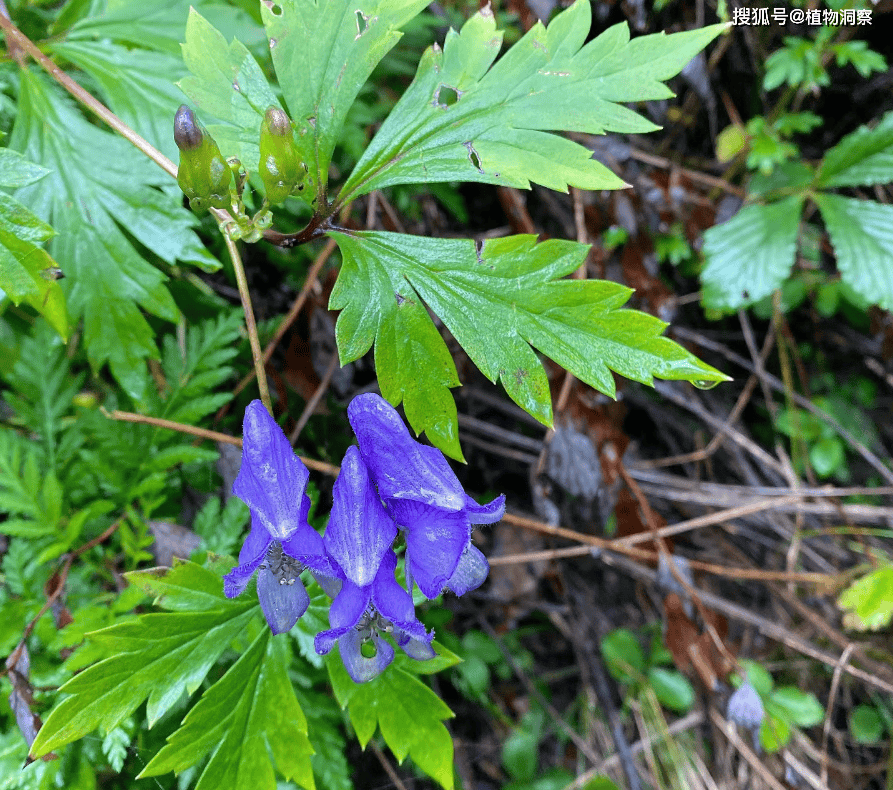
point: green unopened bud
(280, 168)
(204, 175)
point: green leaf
(623, 655)
(99, 180)
(227, 83)
(15, 171)
(461, 120)
(775, 732)
(827, 455)
(758, 677)
(138, 86)
(798, 707)
(671, 688)
(519, 755)
(863, 157)
(323, 53)
(870, 600)
(186, 587)
(409, 714)
(750, 256)
(498, 298)
(866, 724)
(27, 272)
(156, 657)
(862, 234)
(249, 715)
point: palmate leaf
(27, 272)
(409, 714)
(463, 120)
(97, 181)
(750, 256)
(324, 51)
(862, 234)
(498, 299)
(156, 657)
(863, 157)
(249, 715)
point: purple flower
(272, 481)
(425, 498)
(368, 601)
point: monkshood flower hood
(272, 481)
(425, 498)
(368, 600)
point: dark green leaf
(866, 724)
(156, 657)
(498, 299)
(623, 655)
(98, 181)
(246, 717)
(671, 689)
(186, 587)
(409, 713)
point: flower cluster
(388, 485)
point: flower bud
(280, 168)
(203, 174)
(745, 707)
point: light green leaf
(775, 732)
(186, 587)
(671, 688)
(623, 655)
(136, 84)
(862, 234)
(156, 658)
(498, 299)
(159, 26)
(409, 713)
(863, 157)
(249, 715)
(461, 120)
(15, 171)
(97, 181)
(750, 256)
(324, 51)
(798, 707)
(870, 600)
(27, 272)
(226, 83)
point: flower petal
(282, 604)
(395, 604)
(470, 573)
(272, 479)
(305, 543)
(360, 532)
(485, 514)
(418, 649)
(360, 668)
(347, 609)
(435, 540)
(252, 553)
(401, 467)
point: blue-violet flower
(272, 481)
(368, 600)
(425, 498)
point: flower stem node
(280, 168)
(203, 175)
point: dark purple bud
(277, 122)
(187, 134)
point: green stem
(250, 324)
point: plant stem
(250, 324)
(16, 39)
